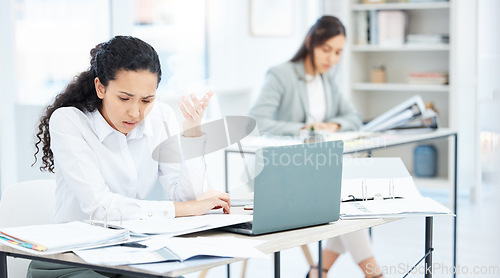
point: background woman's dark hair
(119, 53)
(326, 27)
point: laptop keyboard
(245, 225)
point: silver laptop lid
(299, 186)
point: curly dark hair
(326, 27)
(106, 59)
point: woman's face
(128, 99)
(328, 54)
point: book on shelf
(361, 28)
(430, 78)
(58, 238)
(373, 27)
(426, 1)
(391, 27)
(376, 27)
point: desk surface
(274, 242)
(366, 142)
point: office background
(224, 45)
(217, 44)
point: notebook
(59, 238)
(299, 186)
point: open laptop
(299, 186)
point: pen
(133, 244)
(368, 199)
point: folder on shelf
(58, 238)
(398, 116)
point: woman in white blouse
(103, 135)
(301, 94)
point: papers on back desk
(392, 208)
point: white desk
(275, 242)
(368, 144)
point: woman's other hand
(193, 112)
(206, 202)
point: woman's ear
(99, 88)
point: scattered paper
(161, 249)
(392, 208)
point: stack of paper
(180, 225)
(161, 249)
(58, 238)
(392, 208)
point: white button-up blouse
(99, 170)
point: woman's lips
(130, 124)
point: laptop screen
(299, 186)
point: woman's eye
(123, 99)
(146, 101)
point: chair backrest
(28, 203)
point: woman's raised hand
(193, 112)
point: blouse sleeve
(347, 116)
(268, 103)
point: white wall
(8, 95)
(488, 69)
(488, 64)
(238, 61)
(463, 77)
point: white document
(58, 238)
(392, 208)
(229, 246)
(165, 267)
(159, 226)
(181, 225)
(387, 188)
(162, 249)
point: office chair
(26, 203)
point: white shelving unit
(401, 6)
(400, 87)
(420, 47)
(372, 99)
